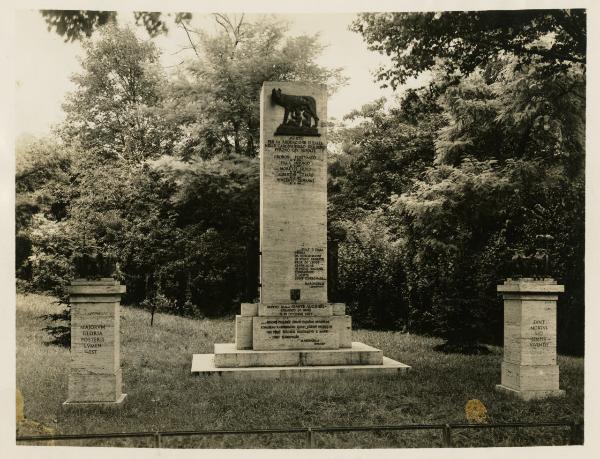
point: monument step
(204, 365)
(227, 356)
(530, 394)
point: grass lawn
(163, 395)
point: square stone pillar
(529, 368)
(293, 194)
(95, 373)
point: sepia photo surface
(249, 229)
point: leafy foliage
(114, 110)
(80, 24)
(462, 172)
(146, 184)
(371, 276)
(216, 98)
(42, 180)
(466, 40)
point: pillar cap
(104, 286)
(530, 285)
(100, 281)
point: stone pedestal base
(117, 402)
(283, 340)
(227, 356)
(530, 394)
(530, 377)
(96, 388)
(231, 363)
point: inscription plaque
(295, 309)
(294, 333)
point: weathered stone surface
(530, 394)
(294, 332)
(94, 298)
(101, 281)
(530, 339)
(243, 332)
(293, 227)
(338, 309)
(295, 309)
(342, 325)
(529, 366)
(530, 377)
(95, 337)
(95, 387)
(226, 355)
(96, 289)
(530, 286)
(249, 309)
(95, 374)
(203, 365)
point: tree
(381, 152)
(496, 156)
(217, 95)
(446, 220)
(371, 278)
(113, 112)
(215, 210)
(42, 185)
(79, 24)
(149, 189)
(465, 40)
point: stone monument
(293, 329)
(529, 368)
(95, 372)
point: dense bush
(371, 277)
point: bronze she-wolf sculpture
(303, 111)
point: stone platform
(118, 402)
(226, 355)
(282, 340)
(530, 394)
(359, 360)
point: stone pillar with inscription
(95, 371)
(293, 329)
(529, 368)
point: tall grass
(163, 395)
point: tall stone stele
(293, 329)
(529, 368)
(95, 371)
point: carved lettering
(305, 330)
(295, 159)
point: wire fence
(575, 432)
